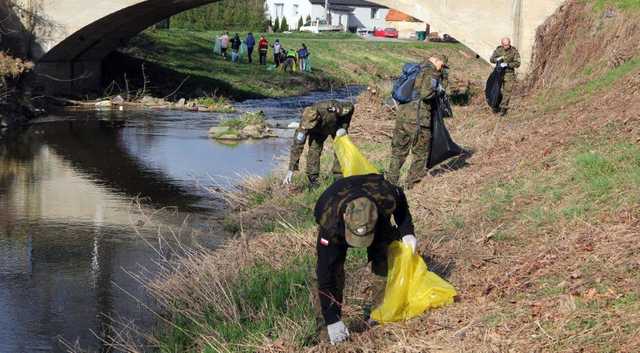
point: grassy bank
(537, 231)
(337, 59)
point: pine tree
(224, 15)
(300, 23)
(284, 26)
(269, 24)
(308, 20)
(276, 25)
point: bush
(250, 118)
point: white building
(351, 14)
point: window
(374, 13)
(279, 10)
(295, 9)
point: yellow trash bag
(351, 159)
(411, 289)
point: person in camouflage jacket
(507, 57)
(319, 121)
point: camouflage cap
(360, 218)
(346, 108)
(310, 118)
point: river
(68, 192)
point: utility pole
(326, 11)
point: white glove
(504, 65)
(499, 58)
(287, 178)
(338, 332)
(441, 88)
(341, 132)
(411, 241)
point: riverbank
(15, 104)
(338, 59)
(537, 229)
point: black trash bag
(442, 146)
(494, 86)
(443, 103)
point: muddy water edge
(73, 185)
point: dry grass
(538, 233)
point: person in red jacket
(263, 47)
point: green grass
(600, 5)
(594, 178)
(246, 119)
(336, 59)
(605, 80)
(264, 299)
(216, 104)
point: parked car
(386, 32)
(320, 26)
(364, 32)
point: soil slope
(538, 230)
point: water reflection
(66, 191)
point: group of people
(288, 59)
(356, 211)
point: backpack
(403, 89)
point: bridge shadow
(163, 81)
(95, 148)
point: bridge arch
(80, 35)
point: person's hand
(411, 241)
(287, 178)
(503, 65)
(338, 332)
(341, 132)
(441, 89)
(499, 59)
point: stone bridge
(71, 37)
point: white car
(320, 26)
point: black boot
(503, 112)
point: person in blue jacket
(250, 41)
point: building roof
(397, 16)
(351, 3)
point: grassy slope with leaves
(337, 59)
(538, 233)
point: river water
(69, 193)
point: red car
(385, 32)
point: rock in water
(217, 130)
(252, 131)
(117, 100)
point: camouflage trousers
(316, 144)
(374, 295)
(508, 83)
(407, 139)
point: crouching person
(320, 121)
(356, 212)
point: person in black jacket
(235, 48)
(356, 211)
